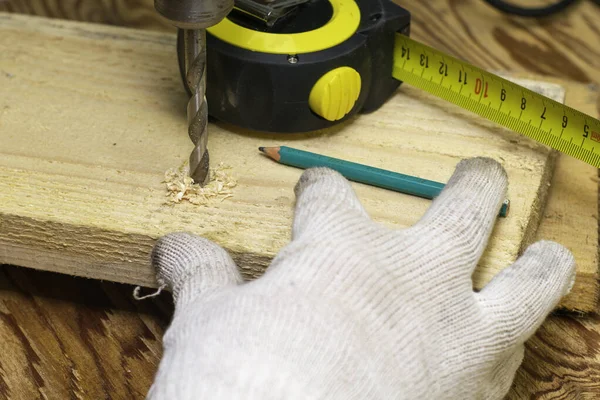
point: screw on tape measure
(499, 100)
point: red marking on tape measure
(479, 85)
(595, 136)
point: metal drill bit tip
(200, 167)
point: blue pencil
(382, 178)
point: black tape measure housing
(270, 92)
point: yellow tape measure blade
(497, 99)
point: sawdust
(180, 187)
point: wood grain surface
(76, 339)
(133, 13)
(106, 329)
(92, 162)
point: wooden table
(64, 337)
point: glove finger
(189, 265)
(519, 298)
(323, 194)
(462, 217)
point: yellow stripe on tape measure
(496, 99)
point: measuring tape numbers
(497, 99)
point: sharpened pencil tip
(272, 152)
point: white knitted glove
(353, 310)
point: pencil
(382, 178)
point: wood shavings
(180, 187)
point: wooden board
(571, 176)
(92, 116)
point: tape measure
(289, 66)
(497, 99)
(292, 66)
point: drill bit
(197, 109)
(192, 17)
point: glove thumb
(189, 265)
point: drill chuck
(194, 14)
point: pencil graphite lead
(261, 149)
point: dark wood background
(71, 338)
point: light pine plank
(92, 116)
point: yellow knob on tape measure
(335, 93)
(496, 99)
